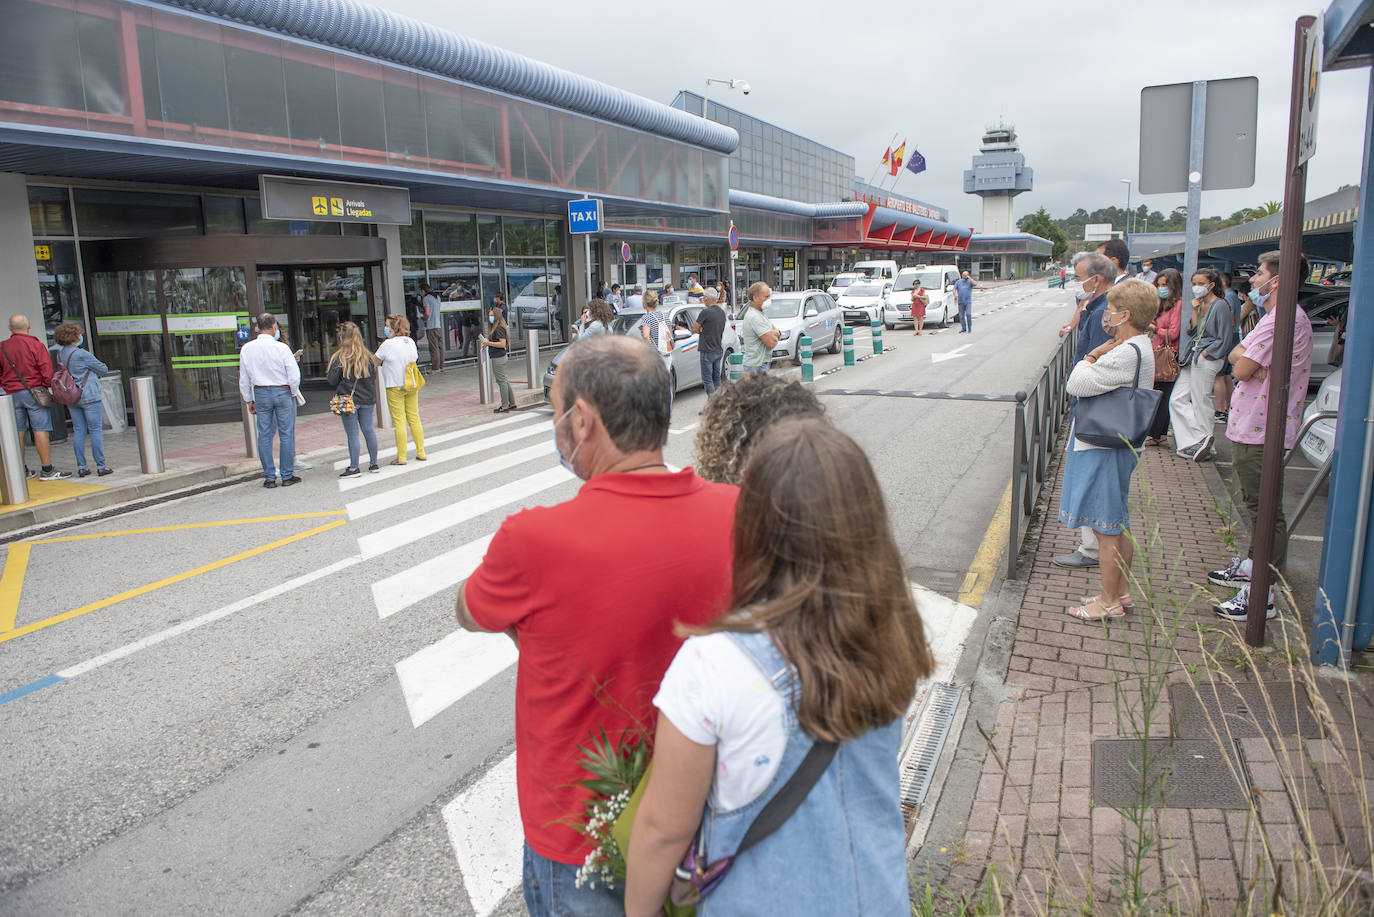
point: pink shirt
(1250, 401)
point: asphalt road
(295, 727)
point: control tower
(999, 173)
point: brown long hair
(817, 569)
(353, 358)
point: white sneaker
(1233, 575)
(1238, 606)
(53, 475)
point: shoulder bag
(1166, 363)
(1122, 414)
(344, 404)
(40, 393)
(64, 387)
(414, 380)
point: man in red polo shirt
(595, 630)
(25, 364)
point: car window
(686, 317)
(782, 306)
(865, 289)
(842, 282)
(813, 303)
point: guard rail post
(145, 419)
(877, 328)
(484, 380)
(808, 368)
(736, 366)
(532, 361)
(1018, 449)
(848, 346)
(14, 480)
(250, 432)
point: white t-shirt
(395, 353)
(715, 695)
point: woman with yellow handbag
(402, 380)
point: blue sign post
(585, 218)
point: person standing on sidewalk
(270, 381)
(352, 372)
(497, 342)
(758, 336)
(27, 365)
(710, 325)
(1169, 283)
(396, 353)
(963, 295)
(88, 414)
(434, 328)
(1246, 428)
(1191, 407)
(920, 300)
(1147, 271)
(1095, 275)
(593, 649)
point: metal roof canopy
(1349, 40)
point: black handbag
(1121, 414)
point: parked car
(533, 305)
(810, 313)
(1320, 441)
(1338, 279)
(1326, 308)
(939, 285)
(840, 281)
(877, 270)
(686, 366)
(864, 300)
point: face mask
(1109, 325)
(567, 463)
(1199, 292)
(276, 334)
(1081, 294)
(81, 340)
(1257, 297)
(386, 332)
(491, 319)
(1163, 292)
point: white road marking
(449, 455)
(443, 673)
(687, 429)
(360, 509)
(946, 624)
(950, 354)
(415, 584)
(418, 527)
(484, 826)
(390, 452)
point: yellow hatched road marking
(12, 584)
(167, 581)
(984, 567)
(192, 525)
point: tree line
(1142, 219)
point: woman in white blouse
(1097, 479)
(396, 352)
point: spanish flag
(895, 165)
(887, 155)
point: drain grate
(928, 741)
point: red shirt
(30, 357)
(593, 588)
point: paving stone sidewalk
(1042, 823)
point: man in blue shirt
(963, 292)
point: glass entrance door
(311, 302)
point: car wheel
(835, 341)
(889, 326)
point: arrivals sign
(584, 216)
(288, 198)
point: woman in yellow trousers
(396, 353)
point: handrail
(1040, 417)
(1322, 473)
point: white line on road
(414, 529)
(687, 429)
(484, 827)
(415, 584)
(377, 503)
(950, 354)
(390, 451)
(443, 673)
(448, 455)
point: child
(824, 643)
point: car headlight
(784, 335)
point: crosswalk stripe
(443, 673)
(449, 455)
(415, 584)
(377, 503)
(422, 526)
(390, 451)
(484, 827)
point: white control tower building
(999, 173)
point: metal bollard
(484, 381)
(250, 432)
(848, 346)
(14, 481)
(145, 419)
(736, 366)
(532, 361)
(877, 328)
(804, 352)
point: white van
(877, 270)
(841, 281)
(938, 281)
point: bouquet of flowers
(617, 769)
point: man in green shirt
(758, 337)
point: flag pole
(898, 176)
(869, 183)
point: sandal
(1095, 610)
(397, 462)
(1126, 602)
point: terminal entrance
(311, 302)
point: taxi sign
(584, 216)
(734, 237)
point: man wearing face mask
(1094, 275)
(269, 380)
(593, 648)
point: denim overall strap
(765, 656)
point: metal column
(145, 420)
(1196, 135)
(250, 433)
(484, 380)
(532, 360)
(14, 483)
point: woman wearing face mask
(1169, 283)
(1192, 408)
(496, 342)
(397, 351)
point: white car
(1319, 442)
(841, 281)
(939, 286)
(810, 313)
(865, 300)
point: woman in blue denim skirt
(88, 412)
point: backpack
(64, 387)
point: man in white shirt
(1147, 271)
(434, 328)
(635, 301)
(270, 381)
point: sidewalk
(203, 456)
(1058, 814)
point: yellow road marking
(191, 525)
(983, 570)
(41, 492)
(168, 581)
(12, 584)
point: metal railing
(1040, 419)
(1322, 473)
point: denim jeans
(86, 421)
(551, 891)
(966, 316)
(710, 370)
(276, 412)
(360, 419)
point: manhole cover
(1198, 774)
(1196, 715)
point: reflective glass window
(223, 215)
(489, 235)
(553, 237)
(37, 47)
(450, 233)
(523, 236)
(312, 98)
(50, 212)
(361, 124)
(412, 236)
(102, 80)
(257, 95)
(136, 213)
(405, 120)
(257, 226)
(444, 121)
(191, 81)
(59, 287)
(479, 131)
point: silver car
(810, 313)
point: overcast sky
(937, 73)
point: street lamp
(1128, 205)
(741, 85)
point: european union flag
(917, 162)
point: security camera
(745, 87)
